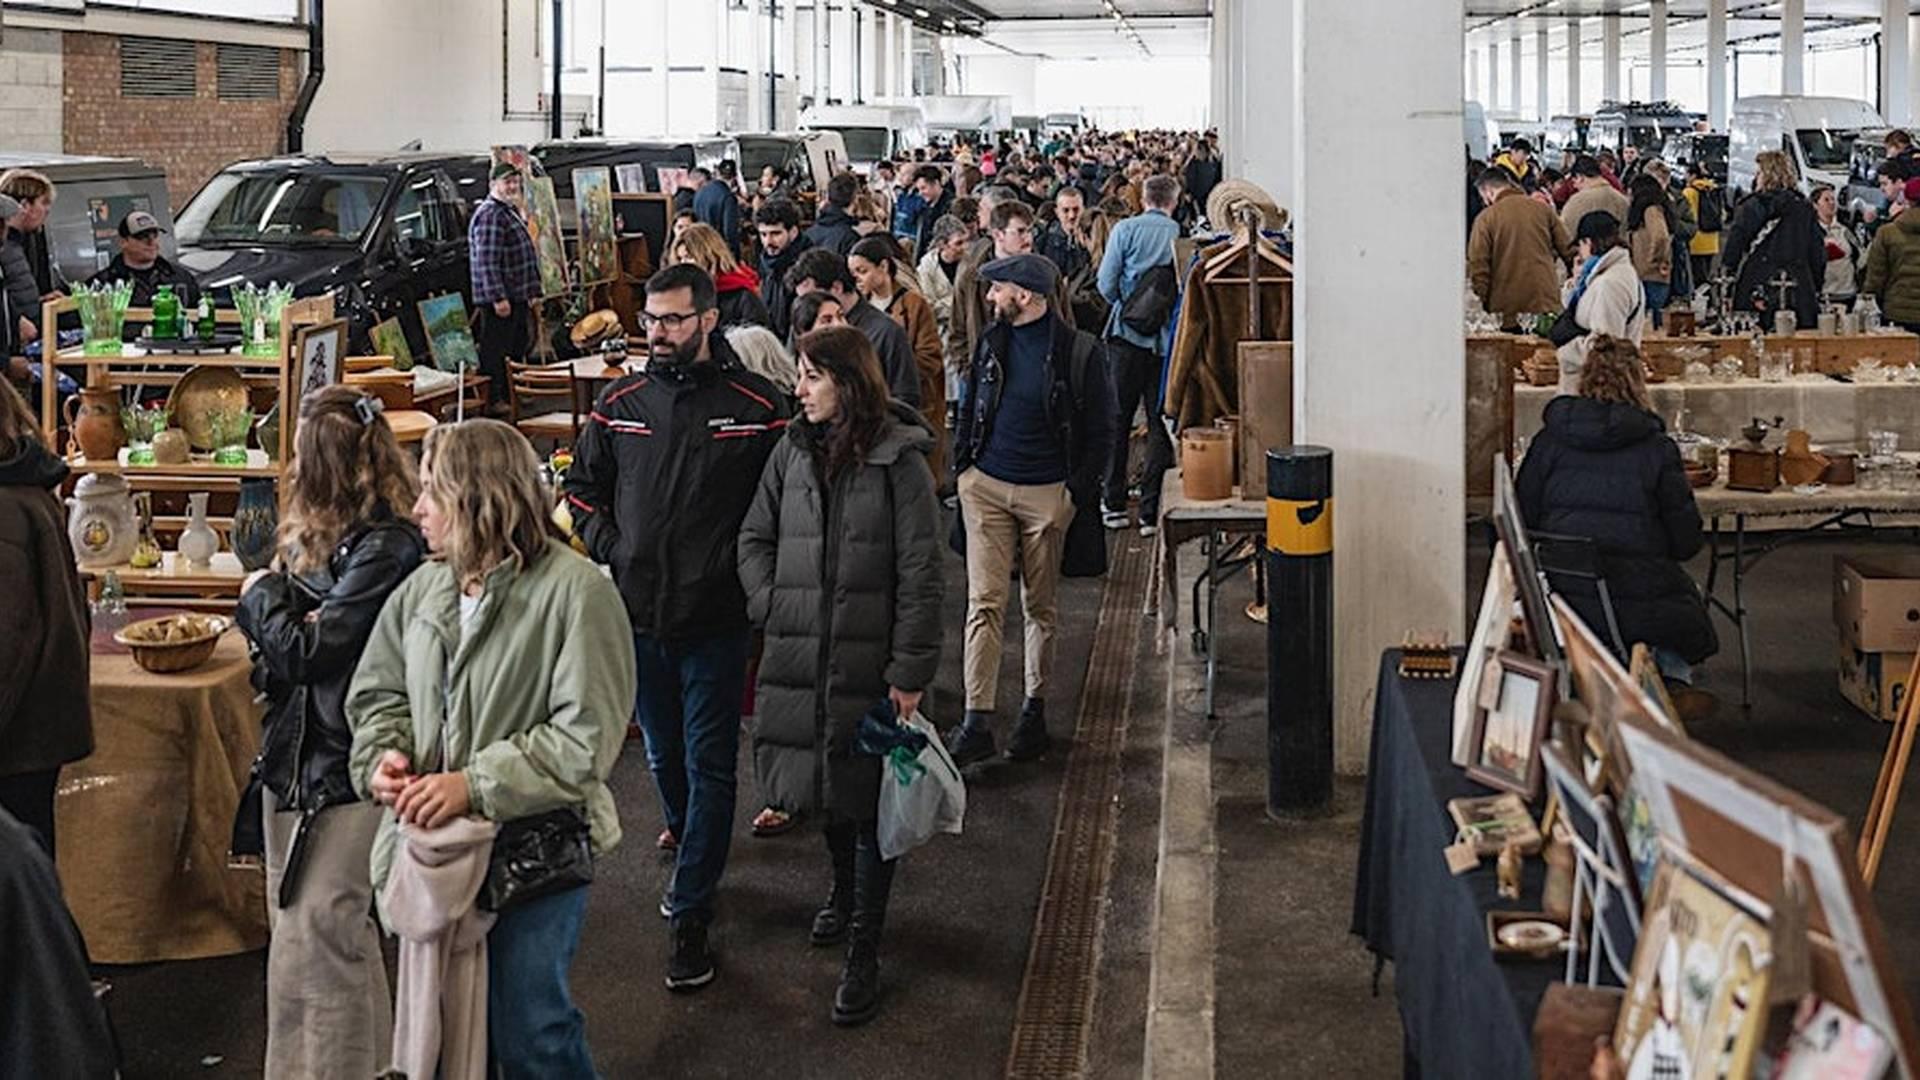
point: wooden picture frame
(1491, 633)
(1645, 672)
(389, 338)
(319, 361)
(1510, 527)
(1511, 724)
(593, 202)
(648, 215)
(445, 321)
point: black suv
(380, 232)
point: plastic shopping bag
(920, 794)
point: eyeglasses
(672, 322)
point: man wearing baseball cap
(506, 278)
(1030, 448)
(141, 263)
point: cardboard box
(1876, 682)
(1876, 602)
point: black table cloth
(1465, 1013)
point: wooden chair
(535, 384)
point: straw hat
(1229, 193)
(593, 327)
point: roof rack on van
(1662, 108)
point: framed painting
(1512, 720)
(318, 360)
(650, 216)
(1512, 530)
(1490, 636)
(449, 334)
(593, 196)
(390, 339)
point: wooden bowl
(172, 657)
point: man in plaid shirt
(506, 277)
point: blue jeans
(689, 709)
(533, 1028)
(1657, 295)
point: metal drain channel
(1054, 1020)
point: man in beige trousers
(1035, 418)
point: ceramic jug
(256, 522)
(198, 541)
(100, 522)
(93, 415)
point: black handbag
(1146, 311)
(537, 856)
(1564, 329)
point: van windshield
(867, 143)
(281, 208)
(1828, 150)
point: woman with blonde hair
(1603, 469)
(738, 284)
(498, 684)
(346, 544)
(1774, 231)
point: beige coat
(1652, 247)
(1600, 196)
(1515, 255)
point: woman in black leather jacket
(345, 546)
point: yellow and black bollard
(1299, 629)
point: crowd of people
(755, 515)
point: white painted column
(1543, 99)
(664, 64)
(1263, 86)
(759, 58)
(1493, 77)
(1387, 395)
(1610, 57)
(1473, 74)
(1513, 62)
(1657, 50)
(1896, 96)
(906, 58)
(1793, 47)
(790, 63)
(1913, 65)
(840, 34)
(822, 52)
(1573, 67)
(1717, 64)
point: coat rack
(1249, 244)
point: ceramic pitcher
(93, 415)
(100, 522)
(198, 541)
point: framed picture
(449, 335)
(1612, 884)
(593, 196)
(1512, 530)
(1645, 672)
(390, 339)
(317, 351)
(1511, 722)
(549, 243)
(650, 216)
(632, 178)
(1490, 636)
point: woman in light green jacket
(498, 683)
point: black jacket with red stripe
(661, 478)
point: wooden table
(175, 582)
(1215, 522)
(435, 400)
(145, 821)
(592, 375)
(1836, 354)
(410, 425)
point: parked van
(870, 132)
(1639, 124)
(1482, 136)
(808, 159)
(92, 195)
(1706, 148)
(1818, 133)
(1566, 132)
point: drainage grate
(1054, 1020)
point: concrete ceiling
(1087, 29)
(1751, 24)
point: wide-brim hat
(594, 327)
(1229, 193)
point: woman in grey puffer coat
(840, 557)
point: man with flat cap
(141, 263)
(506, 279)
(1029, 449)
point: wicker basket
(172, 657)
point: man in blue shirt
(1032, 433)
(1138, 244)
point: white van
(871, 132)
(1818, 133)
(1482, 136)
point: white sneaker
(1114, 519)
(1149, 530)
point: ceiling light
(948, 23)
(923, 13)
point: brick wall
(30, 66)
(191, 140)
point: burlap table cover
(144, 823)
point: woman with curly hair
(1603, 469)
(346, 543)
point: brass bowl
(202, 393)
(172, 657)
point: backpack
(1711, 210)
(1147, 309)
(1090, 309)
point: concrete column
(1493, 77)
(663, 63)
(1543, 100)
(906, 58)
(1717, 64)
(1657, 50)
(1793, 47)
(1573, 66)
(1387, 415)
(759, 59)
(790, 62)
(822, 51)
(1610, 57)
(1263, 91)
(1896, 95)
(1513, 63)
(1913, 64)
(1473, 74)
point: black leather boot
(857, 1000)
(830, 922)
(1030, 739)
(972, 741)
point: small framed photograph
(318, 358)
(1508, 729)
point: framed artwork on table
(1512, 531)
(1490, 637)
(1514, 709)
(390, 339)
(449, 334)
(650, 216)
(318, 360)
(593, 196)
(549, 243)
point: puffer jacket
(1893, 268)
(306, 632)
(1606, 471)
(843, 575)
(45, 718)
(532, 703)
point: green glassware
(166, 314)
(207, 326)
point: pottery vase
(256, 522)
(171, 447)
(93, 416)
(198, 541)
(101, 523)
